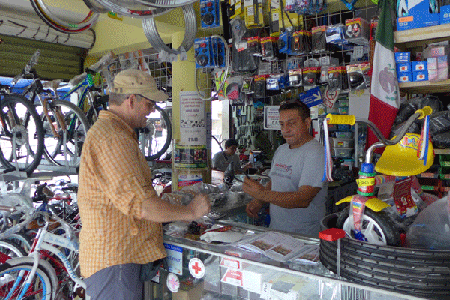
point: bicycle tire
(11, 248)
(41, 284)
(145, 135)
(60, 25)
(44, 265)
(15, 110)
(77, 126)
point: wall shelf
(422, 34)
(425, 87)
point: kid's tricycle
(381, 218)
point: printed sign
(272, 118)
(174, 258)
(192, 119)
(312, 97)
(197, 268)
(191, 156)
(172, 282)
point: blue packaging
(418, 66)
(402, 56)
(203, 53)
(210, 13)
(404, 67)
(444, 15)
(404, 77)
(417, 14)
(420, 76)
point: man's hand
(253, 188)
(253, 208)
(200, 206)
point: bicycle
(31, 276)
(21, 135)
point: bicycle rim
(60, 25)
(71, 125)
(11, 249)
(12, 283)
(21, 136)
(155, 139)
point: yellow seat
(401, 159)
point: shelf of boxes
(417, 38)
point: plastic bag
(441, 140)
(431, 229)
(439, 123)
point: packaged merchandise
(335, 34)
(402, 57)
(311, 76)
(269, 48)
(295, 77)
(337, 78)
(404, 77)
(404, 67)
(301, 42)
(254, 45)
(418, 66)
(210, 13)
(318, 39)
(419, 76)
(357, 31)
(358, 77)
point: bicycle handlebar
(103, 62)
(33, 61)
(351, 120)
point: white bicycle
(48, 272)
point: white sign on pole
(271, 118)
(192, 119)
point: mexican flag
(384, 91)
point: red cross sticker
(196, 268)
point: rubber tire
(11, 265)
(31, 110)
(79, 114)
(12, 246)
(384, 222)
(166, 145)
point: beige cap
(137, 82)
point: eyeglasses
(146, 99)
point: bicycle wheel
(71, 126)
(13, 275)
(155, 138)
(21, 135)
(11, 249)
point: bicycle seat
(401, 159)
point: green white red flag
(384, 91)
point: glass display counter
(207, 271)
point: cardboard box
(402, 57)
(418, 66)
(420, 76)
(416, 14)
(431, 63)
(442, 74)
(444, 15)
(404, 67)
(442, 62)
(432, 75)
(404, 77)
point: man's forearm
(161, 211)
(298, 199)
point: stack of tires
(418, 272)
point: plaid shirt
(114, 180)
